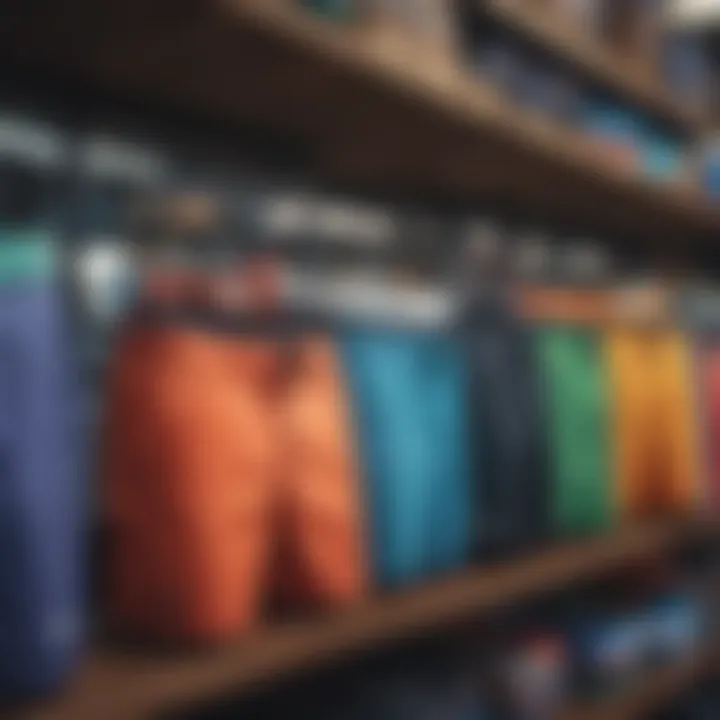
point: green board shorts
(575, 385)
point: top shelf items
(593, 59)
(371, 113)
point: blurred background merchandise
(359, 359)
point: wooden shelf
(594, 60)
(117, 685)
(368, 116)
(653, 693)
(431, 126)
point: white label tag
(102, 267)
(112, 158)
(370, 298)
(353, 224)
(289, 216)
(286, 216)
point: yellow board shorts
(654, 430)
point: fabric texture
(42, 539)
(708, 399)
(507, 446)
(229, 464)
(576, 395)
(654, 432)
(409, 392)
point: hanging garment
(506, 429)
(708, 381)
(42, 523)
(576, 396)
(408, 391)
(225, 456)
(654, 433)
(443, 376)
(320, 501)
(699, 308)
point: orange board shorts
(654, 431)
(228, 462)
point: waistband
(186, 352)
(243, 325)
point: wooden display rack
(378, 120)
(366, 118)
(117, 685)
(592, 59)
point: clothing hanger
(194, 275)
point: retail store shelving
(594, 60)
(119, 685)
(652, 693)
(368, 115)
